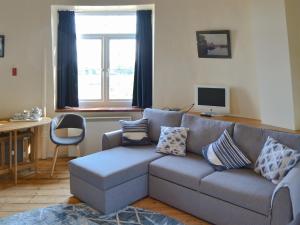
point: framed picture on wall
(214, 44)
(1, 45)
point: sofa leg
(54, 159)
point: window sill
(100, 109)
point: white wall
(293, 18)
(23, 27)
(183, 69)
(238, 72)
(258, 32)
(177, 68)
(273, 63)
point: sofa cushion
(135, 132)
(158, 118)
(242, 187)
(203, 131)
(276, 160)
(285, 138)
(223, 154)
(252, 139)
(172, 140)
(112, 167)
(185, 171)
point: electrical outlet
(14, 71)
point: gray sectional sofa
(118, 176)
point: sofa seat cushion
(110, 168)
(185, 171)
(242, 187)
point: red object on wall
(14, 71)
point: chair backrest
(68, 121)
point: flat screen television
(212, 100)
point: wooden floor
(40, 190)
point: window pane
(106, 24)
(89, 68)
(121, 72)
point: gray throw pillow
(223, 154)
(135, 132)
(276, 160)
(172, 140)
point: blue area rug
(81, 214)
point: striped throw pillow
(135, 132)
(223, 154)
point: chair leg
(78, 150)
(54, 159)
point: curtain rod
(86, 12)
(103, 9)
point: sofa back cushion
(203, 131)
(289, 139)
(158, 118)
(251, 140)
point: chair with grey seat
(63, 122)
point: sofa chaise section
(112, 179)
(118, 176)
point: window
(106, 57)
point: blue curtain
(142, 89)
(67, 74)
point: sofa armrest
(291, 182)
(296, 221)
(111, 139)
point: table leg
(2, 146)
(36, 137)
(16, 156)
(10, 151)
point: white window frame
(105, 38)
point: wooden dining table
(13, 127)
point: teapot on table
(36, 112)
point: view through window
(106, 57)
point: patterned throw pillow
(224, 154)
(276, 160)
(135, 132)
(172, 140)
